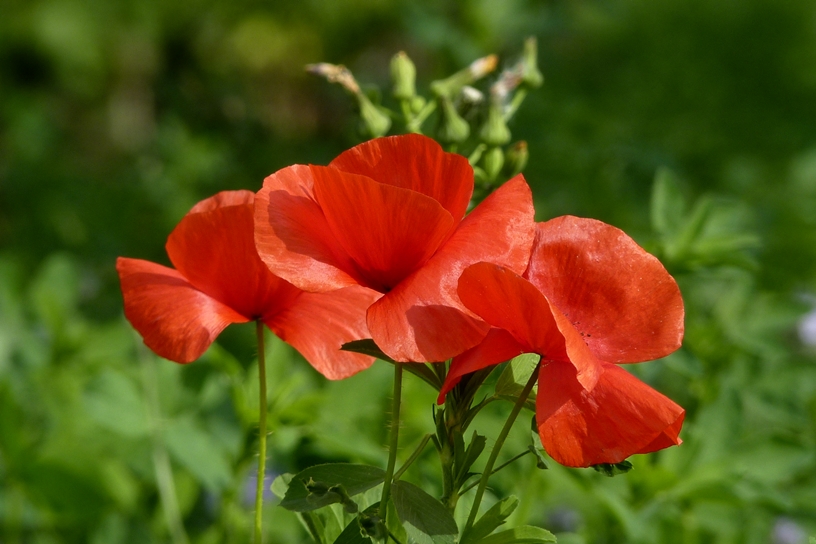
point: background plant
(117, 117)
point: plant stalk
(488, 470)
(259, 490)
(392, 448)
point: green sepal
(613, 469)
(514, 376)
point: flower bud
(495, 132)
(374, 121)
(451, 85)
(403, 75)
(515, 159)
(493, 161)
(453, 129)
(530, 74)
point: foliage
(116, 117)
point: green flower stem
(495, 470)
(392, 448)
(161, 461)
(413, 457)
(259, 491)
(488, 470)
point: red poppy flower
(591, 298)
(389, 215)
(219, 279)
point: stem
(488, 470)
(392, 448)
(261, 434)
(495, 470)
(413, 457)
(161, 461)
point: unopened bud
(515, 159)
(495, 132)
(493, 160)
(417, 103)
(453, 129)
(451, 85)
(374, 121)
(403, 75)
(530, 73)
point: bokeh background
(117, 116)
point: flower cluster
(379, 244)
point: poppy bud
(515, 159)
(403, 75)
(374, 121)
(495, 132)
(530, 74)
(493, 161)
(452, 127)
(451, 85)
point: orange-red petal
(621, 299)
(317, 324)
(388, 231)
(213, 248)
(498, 346)
(621, 416)
(414, 162)
(176, 320)
(422, 318)
(292, 235)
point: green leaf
(613, 469)
(198, 452)
(280, 485)
(541, 462)
(668, 206)
(491, 520)
(357, 531)
(115, 402)
(426, 520)
(353, 478)
(526, 534)
(512, 380)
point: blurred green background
(117, 116)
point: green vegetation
(689, 124)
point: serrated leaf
(354, 479)
(426, 520)
(512, 380)
(495, 516)
(613, 469)
(526, 534)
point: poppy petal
(176, 320)
(388, 231)
(622, 300)
(213, 248)
(422, 318)
(621, 416)
(293, 237)
(317, 324)
(506, 300)
(498, 346)
(414, 162)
